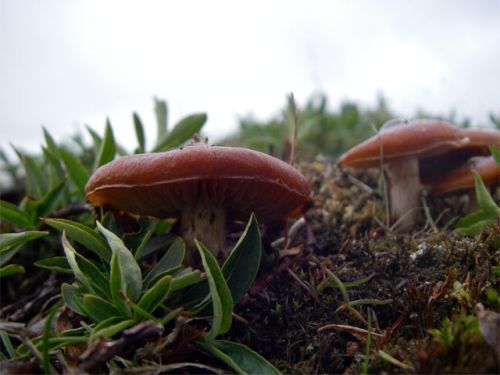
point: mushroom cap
(238, 179)
(401, 139)
(461, 179)
(433, 168)
(480, 140)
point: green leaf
(182, 132)
(82, 234)
(107, 323)
(85, 271)
(484, 198)
(96, 138)
(48, 202)
(36, 183)
(56, 172)
(98, 308)
(11, 213)
(474, 222)
(157, 243)
(222, 301)
(161, 112)
(242, 265)
(71, 256)
(76, 171)
(111, 330)
(56, 264)
(116, 286)
(7, 344)
(11, 269)
(73, 297)
(139, 133)
(186, 279)
(47, 368)
(172, 258)
(98, 280)
(131, 278)
(107, 149)
(240, 358)
(7, 256)
(9, 240)
(155, 296)
(495, 151)
(141, 240)
(49, 141)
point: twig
(311, 292)
(294, 119)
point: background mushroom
(400, 146)
(462, 179)
(432, 168)
(203, 186)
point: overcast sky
(65, 64)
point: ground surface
(343, 280)
(410, 282)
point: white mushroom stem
(404, 191)
(205, 222)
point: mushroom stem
(404, 191)
(205, 222)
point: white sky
(64, 63)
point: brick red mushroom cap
(238, 179)
(402, 139)
(462, 178)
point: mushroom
(204, 186)
(433, 168)
(399, 147)
(462, 179)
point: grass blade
(161, 112)
(107, 149)
(76, 171)
(139, 133)
(47, 367)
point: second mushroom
(400, 147)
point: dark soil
(414, 281)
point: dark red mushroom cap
(398, 140)
(238, 179)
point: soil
(410, 282)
